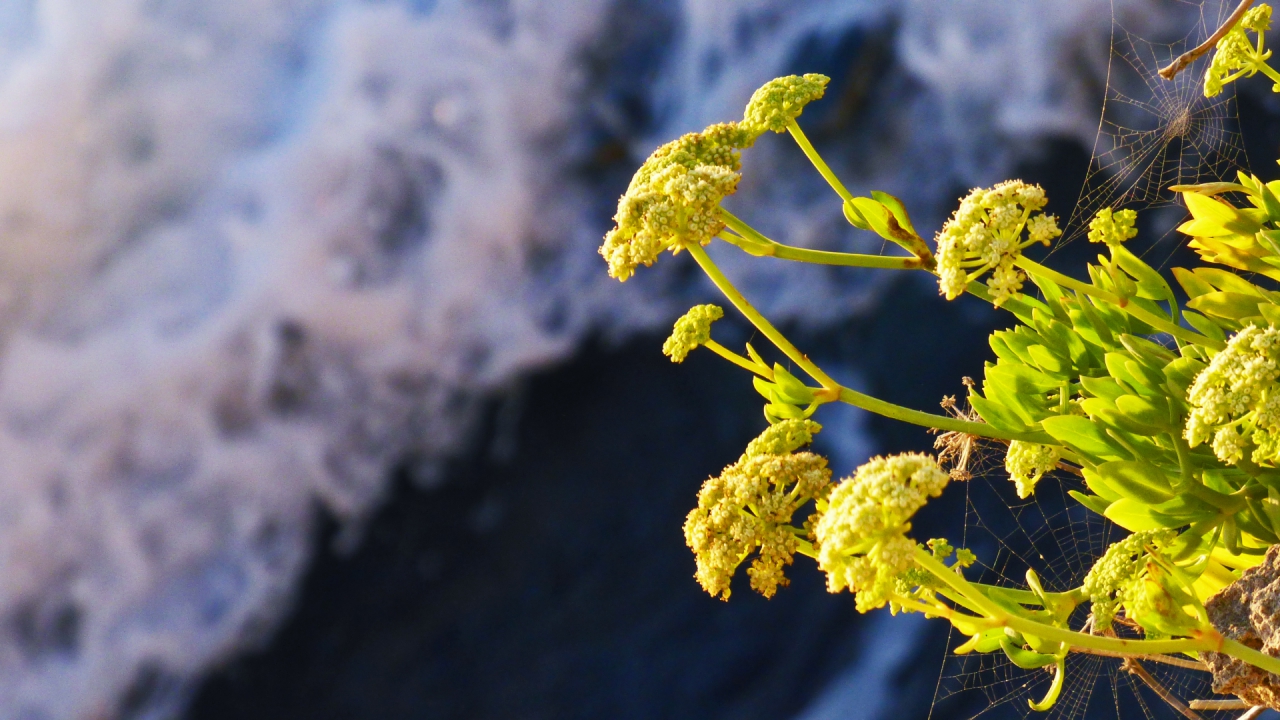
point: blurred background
(316, 400)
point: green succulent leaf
(1137, 480)
(1094, 502)
(1135, 516)
(1025, 659)
(1083, 436)
(997, 415)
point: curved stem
(1269, 72)
(1155, 321)
(929, 420)
(756, 244)
(1181, 662)
(798, 135)
(763, 325)
(737, 359)
(1073, 638)
(844, 394)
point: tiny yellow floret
(691, 331)
(1237, 399)
(985, 233)
(1027, 462)
(861, 536)
(674, 198)
(1235, 56)
(1116, 575)
(748, 508)
(780, 101)
(1112, 228)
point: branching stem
(736, 359)
(818, 162)
(1203, 640)
(754, 243)
(836, 391)
(762, 324)
(1133, 667)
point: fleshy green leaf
(1136, 480)
(1081, 435)
(1135, 516)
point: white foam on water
(257, 251)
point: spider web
(1059, 539)
(1152, 132)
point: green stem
(1155, 321)
(1240, 651)
(1047, 702)
(756, 244)
(817, 161)
(763, 325)
(1269, 72)
(847, 395)
(737, 359)
(929, 420)
(824, 257)
(958, 599)
(1071, 637)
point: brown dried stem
(1219, 705)
(1181, 62)
(1134, 667)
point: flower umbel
(1027, 462)
(674, 197)
(780, 101)
(1112, 228)
(692, 330)
(1237, 57)
(986, 233)
(748, 508)
(1236, 398)
(1117, 573)
(861, 536)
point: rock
(1247, 611)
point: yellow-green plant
(1169, 410)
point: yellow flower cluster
(985, 233)
(674, 197)
(1115, 574)
(748, 508)
(1235, 56)
(1112, 228)
(861, 536)
(691, 331)
(1236, 398)
(1027, 462)
(780, 101)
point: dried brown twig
(1181, 62)
(1134, 667)
(1219, 705)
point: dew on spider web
(1153, 132)
(1058, 538)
